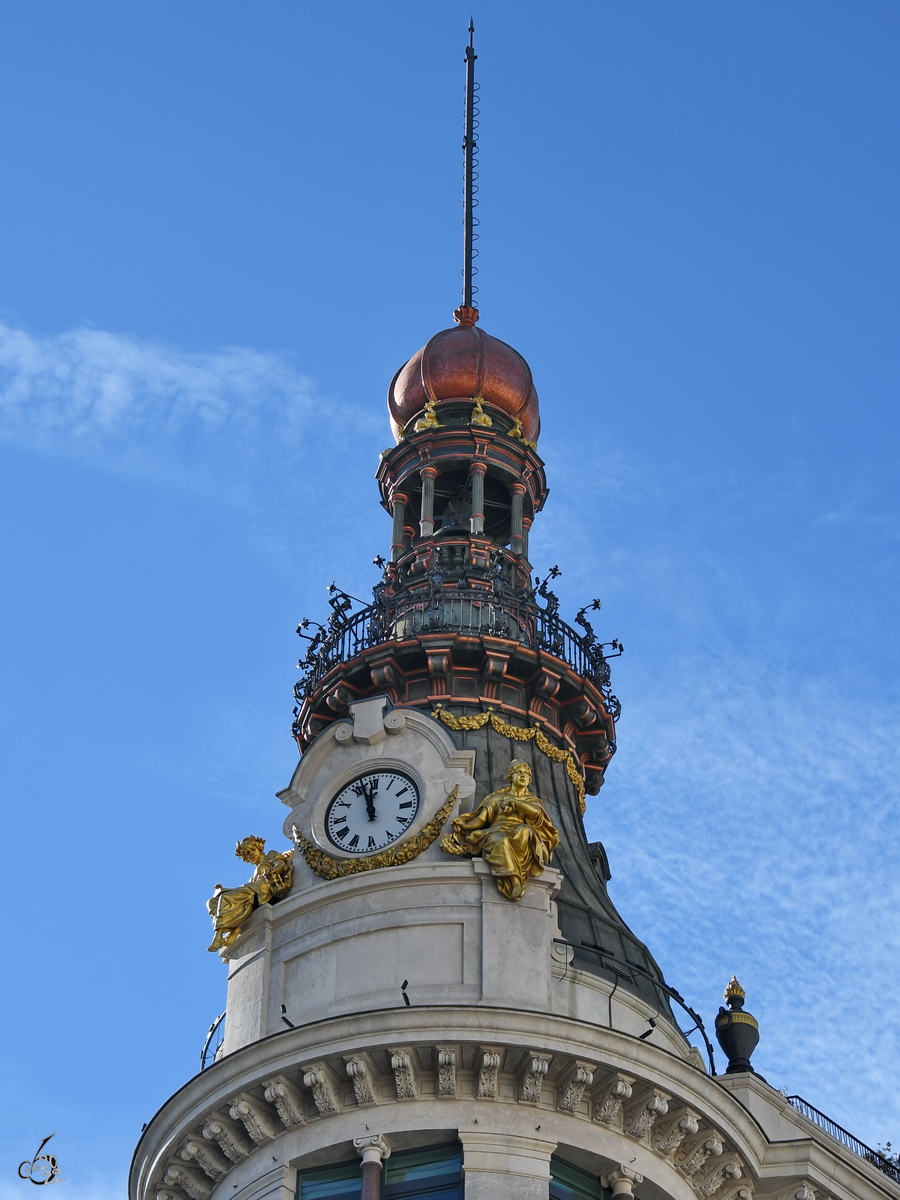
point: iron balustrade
(847, 1139)
(471, 612)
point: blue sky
(224, 227)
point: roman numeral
(371, 845)
(342, 833)
(402, 793)
(354, 841)
(342, 804)
(406, 803)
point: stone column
(398, 507)
(622, 1182)
(505, 1166)
(426, 525)
(477, 472)
(526, 525)
(373, 1149)
(517, 540)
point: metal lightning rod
(470, 144)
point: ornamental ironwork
(435, 606)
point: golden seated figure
(230, 907)
(511, 831)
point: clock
(371, 812)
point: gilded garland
(478, 720)
(335, 868)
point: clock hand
(370, 799)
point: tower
(432, 993)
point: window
(435, 1174)
(569, 1183)
(337, 1183)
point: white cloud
(138, 406)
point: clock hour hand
(369, 792)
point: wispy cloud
(132, 405)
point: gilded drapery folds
(230, 907)
(510, 830)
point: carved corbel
(640, 1118)
(613, 1093)
(439, 670)
(696, 1151)
(546, 685)
(622, 1180)
(206, 1156)
(404, 1072)
(571, 1090)
(804, 1192)
(360, 1073)
(385, 677)
(338, 699)
(230, 1138)
(194, 1186)
(447, 1057)
(488, 1072)
(288, 1101)
(667, 1139)
(258, 1119)
(741, 1192)
(318, 1080)
(531, 1079)
(495, 664)
(718, 1176)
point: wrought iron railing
(471, 611)
(876, 1158)
(214, 1043)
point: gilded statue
(230, 907)
(511, 831)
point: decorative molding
(316, 1078)
(257, 1117)
(615, 1091)
(640, 1118)
(229, 1137)
(198, 1150)
(288, 1100)
(696, 1151)
(531, 1080)
(360, 1076)
(488, 1073)
(404, 1075)
(804, 1192)
(681, 1124)
(446, 1071)
(336, 868)
(193, 1185)
(718, 1175)
(571, 1090)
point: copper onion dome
(461, 364)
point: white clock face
(372, 812)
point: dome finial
(465, 315)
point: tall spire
(470, 175)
